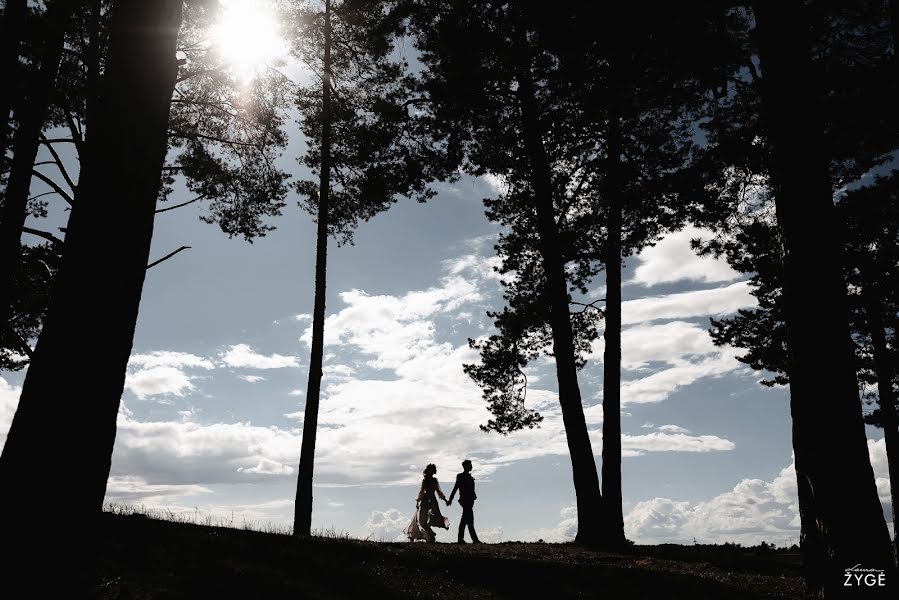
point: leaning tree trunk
(302, 520)
(30, 114)
(611, 389)
(55, 465)
(583, 464)
(883, 367)
(11, 28)
(828, 433)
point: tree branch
(162, 210)
(58, 161)
(586, 306)
(56, 187)
(43, 234)
(167, 256)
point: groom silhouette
(465, 487)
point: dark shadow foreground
(143, 558)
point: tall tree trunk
(302, 520)
(14, 14)
(884, 370)
(583, 464)
(30, 114)
(828, 433)
(56, 461)
(611, 394)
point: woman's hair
(430, 469)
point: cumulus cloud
(564, 531)
(386, 525)
(672, 260)
(163, 373)
(243, 356)
(753, 511)
(186, 452)
(158, 381)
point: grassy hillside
(148, 558)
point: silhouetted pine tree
(31, 111)
(787, 117)
(615, 108)
(367, 147)
(60, 444)
(495, 94)
(224, 135)
(869, 221)
(12, 26)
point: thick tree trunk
(11, 28)
(828, 433)
(30, 115)
(884, 370)
(56, 461)
(583, 464)
(302, 520)
(611, 394)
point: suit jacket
(465, 487)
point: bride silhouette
(427, 509)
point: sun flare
(248, 36)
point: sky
(212, 413)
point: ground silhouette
(148, 558)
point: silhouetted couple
(427, 513)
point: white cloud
(386, 525)
(672, 260)
(9, 400)
(671, 429)
(158, 381)
(337, 371)
(661, 384)
(697, 303)
(672, 343)
(296, 392)
(168, 358)
(266, 466)
(675, 442)
(243, 356)
(131, 489)
(497, 183)
(178, 453)
(753, 511)
(163, 373)
(563, 532)
(252, 378)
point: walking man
(465, 487)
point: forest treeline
(771, 123)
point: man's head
(466, 464)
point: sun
(248, 36)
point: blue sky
(211, 418)
(212, 414)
